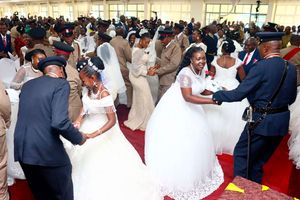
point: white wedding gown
(225, 120)
(179, 147)
(108, 167)
(294, 141)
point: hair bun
(228, 46)
(97, 62)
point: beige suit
(5, 112)
(123, 52)
(158, 48)
(75, 55)
(169, 62)
(182, 41)
(294, 60)
(48, 49)
(75, 103)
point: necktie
(4, 42)
(246, 59)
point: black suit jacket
(42, 118)
(8, 47)
(254, 59)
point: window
(55, 11)
(135, 10)
(97, 11)
(287, 15)
(243, 12)
(172, 11)
(116, 10)
(69, 13)
(44, 11)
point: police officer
(271, 121)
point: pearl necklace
(197, 75)
(34, 70)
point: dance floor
(276, 175)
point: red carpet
(276, 176)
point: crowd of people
(186, 86)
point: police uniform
(67, 31)
(259, 86)
(181, 39)
(42, 118)
(38, 35)
(75, 103)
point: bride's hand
(76, 124)
(94, 134)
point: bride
(179, 147)
(226, 120)
(107, 166)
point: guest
(4, 124)
(179, 148)
(250, 55)
(5, 41)
(142, 102)
(211, 42)
(197, 40)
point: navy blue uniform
(42, 118)
(259, 86)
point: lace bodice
(226, 73)
(139, 62)
(187, 79)
(24, 74)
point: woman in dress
(142, 101)
(179, 147)
(226, 120)
(197, 40)
(106, 167)
(29, 70)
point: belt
(270, 110)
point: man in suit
(169, 61)
(271, 122)
(5, 41)
(292, 54)
(75, 104)
(123, 52)
(211, 41)
(181, 39)
(42, 119)
(5, 112)
(122, 24)
(250, 55)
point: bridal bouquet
(211, 84)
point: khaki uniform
(48, 49)
(75, 103)
(169, 62)
(158, 48)
(182, 41)
(294, 60)
(123, 52)
(5, 112)
(75, 55)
